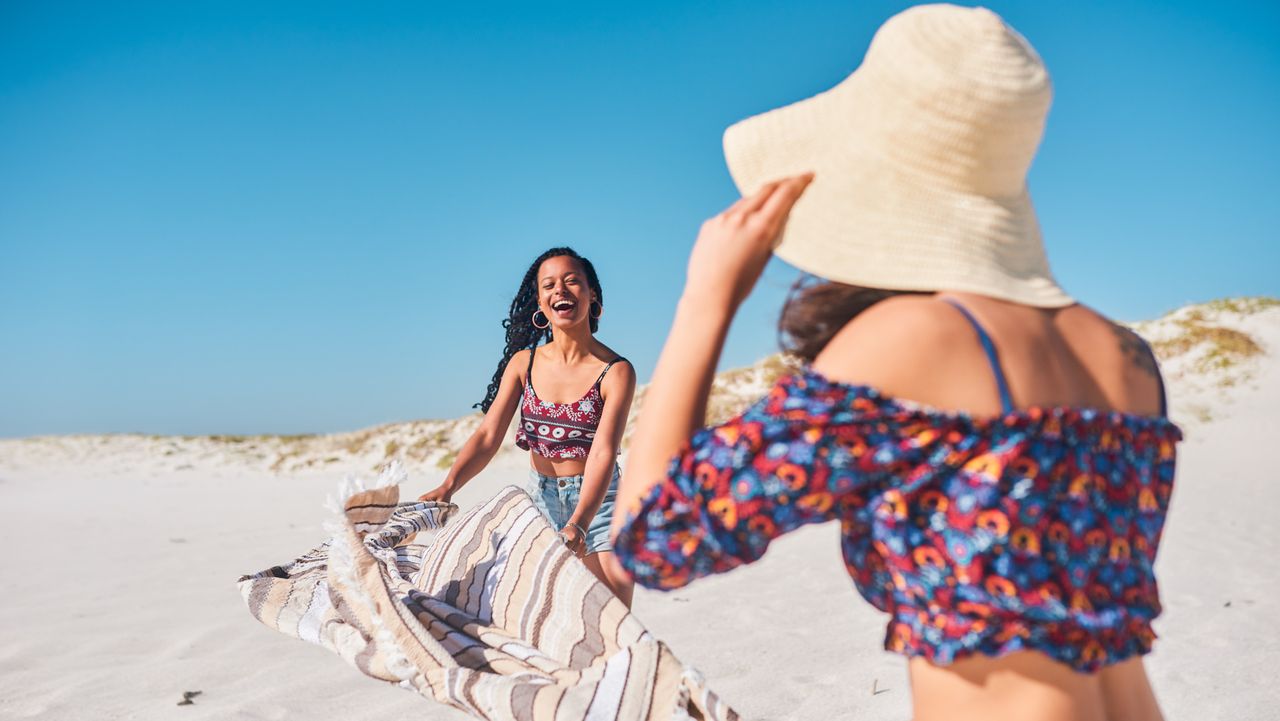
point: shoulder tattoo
(1135, 350)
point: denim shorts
(557, 498)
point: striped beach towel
(489, 613)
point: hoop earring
(534, 320)
(598, 313)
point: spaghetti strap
(619, 359)
(1006, 398)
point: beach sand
(120, 595)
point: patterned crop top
(560, 430)
(1036, 529)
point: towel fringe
(342, 563)
(392, 474)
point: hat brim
(871, 221)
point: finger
(749, 203)
(756, 201)
(738, 204)
(778, 206)
(735, 206)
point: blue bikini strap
(1006, 398)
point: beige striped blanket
(491, 614)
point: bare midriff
(1030, 685)
(558, 466)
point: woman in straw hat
(997, 455)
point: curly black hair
(521, 332)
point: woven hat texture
(921, 158)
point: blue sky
(294, 217)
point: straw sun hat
(921, 157)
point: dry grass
(356, 443)
(294, 447)
(421, 448)
(1218, 349)
(724, 403)
(278, 464)
(260, 438)
(1224, 343)
(1242, 306)
(446, 461)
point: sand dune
(121, 596)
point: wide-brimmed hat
(921, 158)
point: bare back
(1071, 356)
(923, 349)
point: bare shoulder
(1107, 338)
(621, 377)
(623, 367)
(1122, 363)
(904, 316)
(894, 337)
(1135, 351)
(519, 363)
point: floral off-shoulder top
(1032, 530)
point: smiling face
(564, 294)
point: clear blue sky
(285, 217)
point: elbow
(487, 440)
(605, 455)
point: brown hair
(817, 309)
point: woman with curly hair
(572, 437)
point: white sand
(122, 594)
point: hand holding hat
(734, 246)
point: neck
(572, 345)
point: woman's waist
(1028, 684)
(548, 467)
(560, 471)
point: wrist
(707, 303)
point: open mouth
(563, 308)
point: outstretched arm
(618, 389)
(727, 260)
(480, 448)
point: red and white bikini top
(560, 430)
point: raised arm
(480, 448)
(727, 260)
